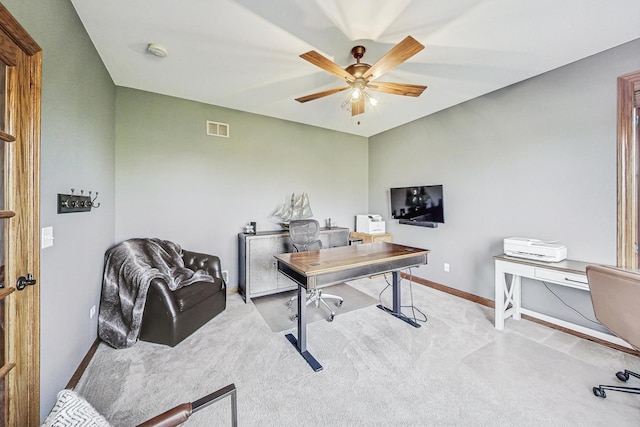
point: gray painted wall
(175, 182)
(537, 159)
(77, 149)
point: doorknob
(24, 281)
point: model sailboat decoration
(296, 207)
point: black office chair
(615, 295)
(304, 235)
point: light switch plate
(47, 237)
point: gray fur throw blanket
(129, 268)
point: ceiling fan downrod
(358, 52)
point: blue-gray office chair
(615, 295)
(305, 235)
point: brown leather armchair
(171, 316)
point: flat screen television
(419, 205)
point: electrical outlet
(225, 276)
(92, 312)
(446, 267)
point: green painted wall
(77, 151)
(536, 159)
(175, 182)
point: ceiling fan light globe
(373, 101)
(355, 95)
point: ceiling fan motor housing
(357, 70)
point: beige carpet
(277, 314)
(456, 370)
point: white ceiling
(244, 54)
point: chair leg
(315, 297)
(312, 297)
(600, 390)
(329, 296)
(332, 314)
(229, 390)
(291, 300)
(622, 376)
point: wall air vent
(218, 129)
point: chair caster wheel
(339, 303)
(289, 303)
(330, 318)
(622, 376)
(597, 391)
(294, 317)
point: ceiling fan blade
(396, 56)
(397, 88)
(321, 94)
(357, 107)
(326, 64)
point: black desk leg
(397, 301)
(301, 343)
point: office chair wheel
(599, 392)
(339, 303)
(622, 376)
(289, 302)
(331, 316)
(294, 317)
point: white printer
(522, 247)
(370, 224)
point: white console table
(565, 273)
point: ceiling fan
(360, 76)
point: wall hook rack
(70, 203)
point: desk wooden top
(343, 257)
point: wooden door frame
(24, 101)
(628, 185)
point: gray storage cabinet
(258, 271)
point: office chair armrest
(172, 417)
(181, 413)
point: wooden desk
(326, 267)
(257, 270)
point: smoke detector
(157, 50)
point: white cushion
(72, 410)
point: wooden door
(20, 86)
(629, 170)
